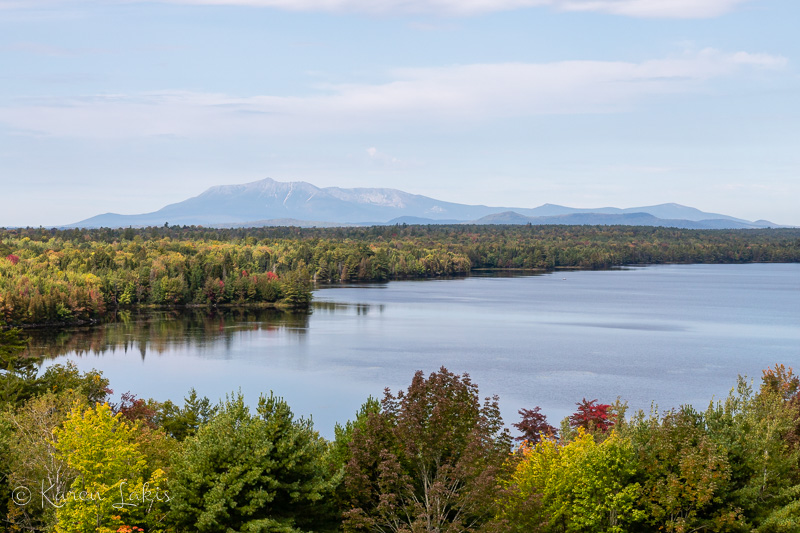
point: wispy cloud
(632, 8)
(653, 8)
(449, 96)
(381, 159)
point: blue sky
(126, 106)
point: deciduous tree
(533, 426)
(111, 480)
(592, 416)
(581, 487)
(684, 473)
(428, 460)
(34, 468)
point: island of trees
(50, 276)
(433, 458)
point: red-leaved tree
(592, 415)
(533, 426)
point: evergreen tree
(17, 371)
(245, 472)
(182, 422)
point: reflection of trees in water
(160, 330)
(334, 307)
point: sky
(126, 106)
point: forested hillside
(61, 276)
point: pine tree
(245, 472)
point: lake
(670, 334)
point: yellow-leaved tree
(582, 486)
(112, 488)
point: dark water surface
(665, 334)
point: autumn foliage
(592, 416)
(434, 457)
(64, 276)
(533, 426)
(57, 280)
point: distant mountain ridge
(269, 203)
(621, 219)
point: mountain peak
(268, 200)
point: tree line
(62, 276)
(61, 280)
(435, 457)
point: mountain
(269, 199)
(268, 203)
(621, 219)
(418, 221)
(278, 222)
(663, 211)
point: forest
(52, 277)
(436, 457)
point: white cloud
(653, 8)
(759, 60)
(633, 8)
(451, 96)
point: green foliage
(17, 371)
(182, 422)
(34, 406)
(783, 519)
(110, 487)
(779, 393)
(432, 458)
(733, 467)
(19, 381)
(242, 472)
(6, 442)
(79, 277)
(90, 385)
(583, 486)
(32, 462)
(59, 276)
(683, 473)
(756, 431)
(296, 289)
(339, 453)
(12, 343)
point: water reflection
(670, 334)
(360, 309)
(159, 331)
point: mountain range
(273, 203)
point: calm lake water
(665, 334)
